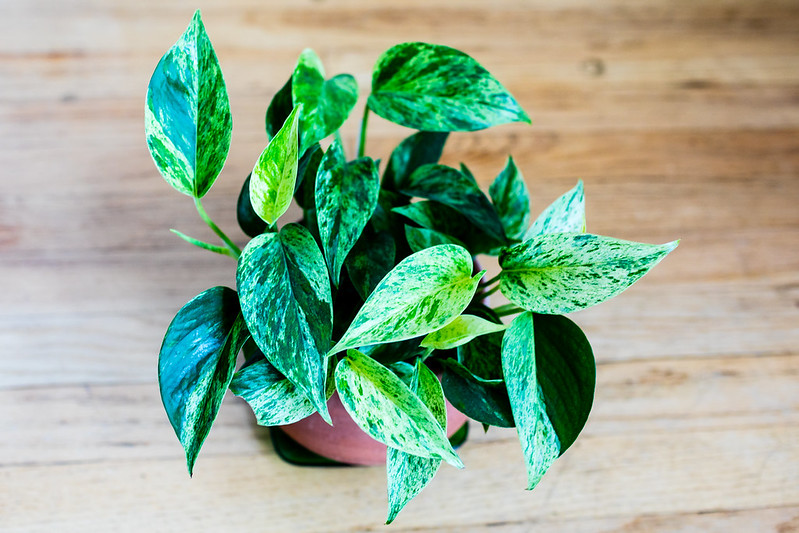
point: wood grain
(681, 117)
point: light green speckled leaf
(273, 398)
(483, 400)
(370, 260)
(272, 179)
(421, 148)
(558, 273)
(388, 411)
(346, 196)
(436, 88)
(512, 201)
(187, 114)
(408, 474)
(540, 444)
(452, 188)
(459, 332)
(421, 238)
(564, 215)
(286, 301)
(327, 103)
(196, 364)
(424, 292)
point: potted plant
(372, 296)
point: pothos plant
(372, 294)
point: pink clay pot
(345, 441)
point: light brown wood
(681, 117)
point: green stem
(362, 140)
(490, 281)
(508, 309)
(204, 245)
(236, 251)
(489, 292)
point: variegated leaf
(540, 443)
(187, 113)
(346, 196)
(370, 260)
(424, 292)
(273, 398)
(387, 410)
(272, 179)
(286, 301)
(327, 103)
(421, 238)
(436, 88)
(196, 364)
(408, 474)
(459, 332)
(559, 273)
(484, 400)
(512, 201)
(421, 148)
(451, 187)
(564, 215)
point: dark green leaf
(306, 177)
(187, 115)
(370, 260)
(566, 374)
(196, 364)
(436, 88)
(286, 301)
(346, 196)
(559, 273)
(424, 292)
(540, 443)
(564, 215)
(274, 399)
(275, 172)
(480, 399)
(279, 110)
(327, 104)
(249, 221)
(451, 187)
(421, 238)
(421, 148)
(409, 474)
(393, 352)
(388, 411)
(511, 199)
(482, 356)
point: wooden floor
(681, 117)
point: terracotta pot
(344, 441)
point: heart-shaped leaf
(460, 331)
(540, 443)
(559, 273)
(187, 113)
(279, 110)
(451, 187)
(370, 260)
(424, 292)
(564, 215)
(273, 398)
(274, 174)
(196, 364)
(436, 88)
(346, 196)
(421, 238)
(286, 302)
(408, 474)
(388, 411)
(512, 201)
(484, 400)
(327, 104)
(421, 148)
